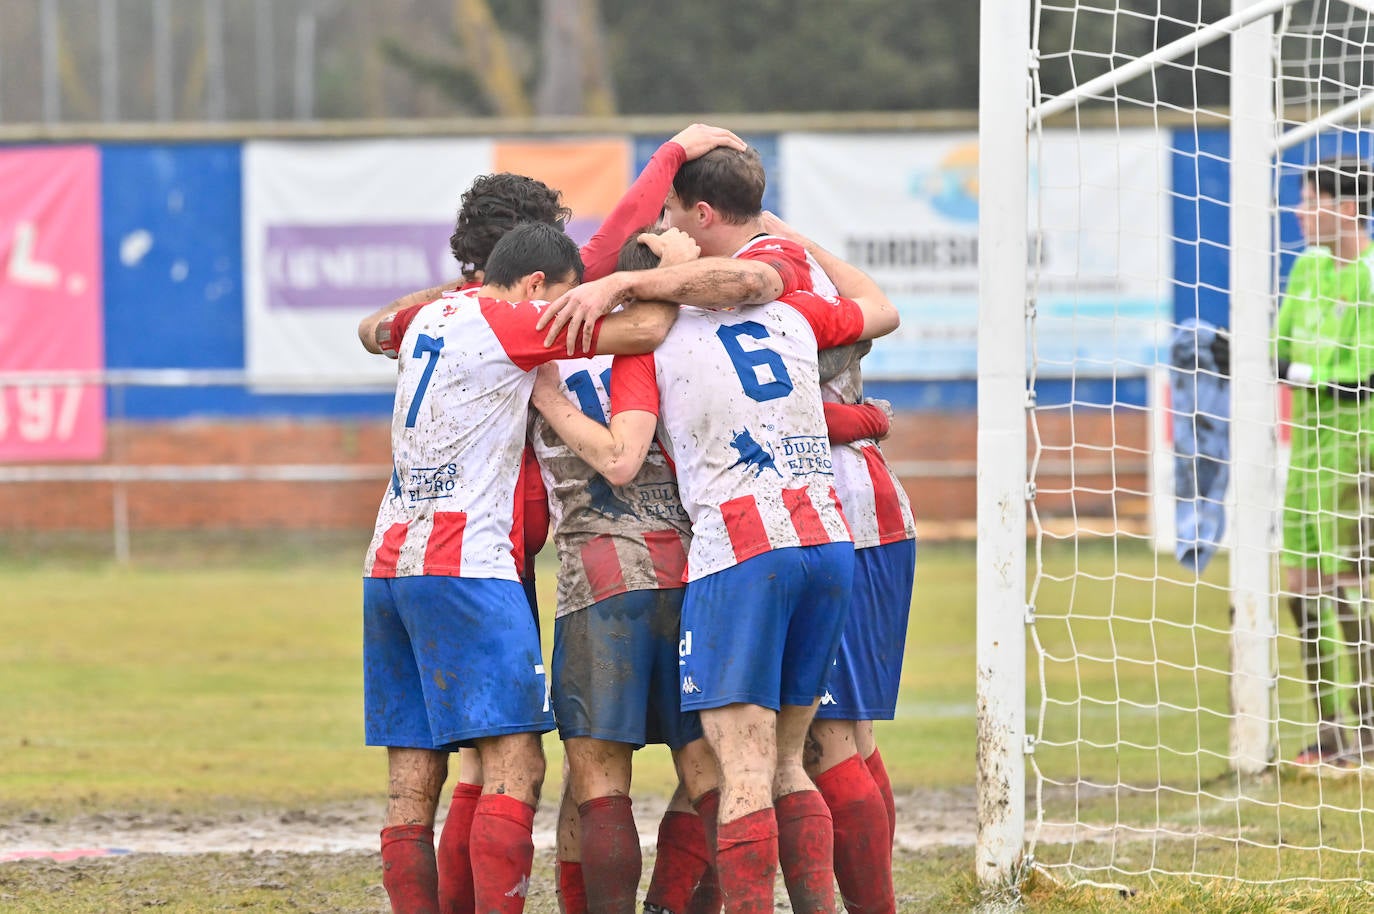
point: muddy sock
(706, 898)
(879, 771)
(455, 866)
(747, 862)
(572, 891)
(681, 861)
(863, 850)
(611, 857)
(806, 851)
(502, 853)
(408, 870)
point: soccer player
(451, 651)
(492, 206)
(843, 757)
(734, 396)
(717, 199)
(622, 552)
(1325, 351)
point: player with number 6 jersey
(735, 398)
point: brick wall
(1106, 451)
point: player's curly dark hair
(494, 205)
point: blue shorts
(532, 596)
(615, 671)
(449, 660)
(868, 670)
(765, 631)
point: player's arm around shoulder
(368, 326)
(636, 329)
(879, 314)
(617, 451)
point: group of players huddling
(723, 570)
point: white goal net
(1188, 712)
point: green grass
(174, 683)
(220, 675)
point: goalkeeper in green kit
(1325, 353)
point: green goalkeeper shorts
(1323, 500)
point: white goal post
(1147, 741)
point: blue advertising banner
(172, 239)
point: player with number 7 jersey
(450, 651)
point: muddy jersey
(739, 407)
(610, 539)
(875, 503)
(457, 432)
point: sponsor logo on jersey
(689, 685)
(752, 454)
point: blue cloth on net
(1200, 387)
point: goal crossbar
(1171, 51)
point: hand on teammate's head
(673, 246)
(699, 139)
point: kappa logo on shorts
(828, 699)
(689, 685)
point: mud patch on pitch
(925, 818)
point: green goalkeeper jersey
(1326, 323)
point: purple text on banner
(322, 266)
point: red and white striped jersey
(739, 407)
(610, 539)
(457, 432)
(874, 501)
(875, 504)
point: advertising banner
(50, 301)
(905, 209)
(591, 174)
(333, 231)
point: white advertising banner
(905, 209)
(332, 231)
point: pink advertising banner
(50, 302)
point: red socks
(747, 862)
(707, 898)
(502, 852)
(682, 860)
(455, 866)
(863, 841)
(806, 851)
(611, 857)
(875, 766)
(408, 870)
(572, 891)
